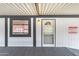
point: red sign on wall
(72, 29)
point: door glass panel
(48, 39)
(48, 27)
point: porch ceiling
(39, 9)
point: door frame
(42, 30)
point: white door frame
(42, 40)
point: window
(20, 27)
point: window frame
(20, 35)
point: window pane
(20, 27)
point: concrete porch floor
(38, 51)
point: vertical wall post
(34, 32)
(6, 32)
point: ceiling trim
(57, 16)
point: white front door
(48, 32)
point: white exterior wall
(20, 41)
(2, 32)
(63, 38)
